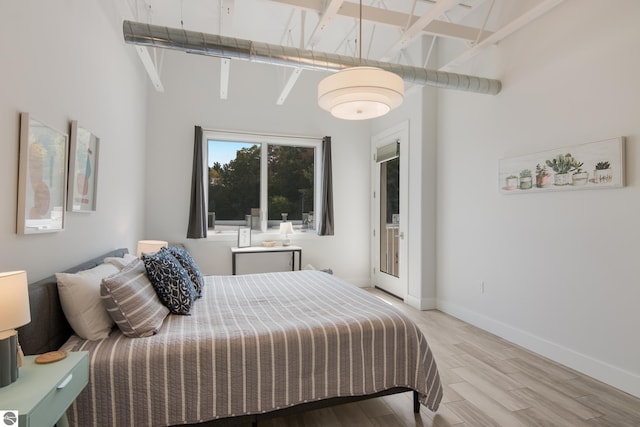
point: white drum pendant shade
(360, 93)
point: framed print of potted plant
(562, 168)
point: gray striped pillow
(132, 302)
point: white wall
(65, 61)
(191, 98)
(418, 108)
(560, 269)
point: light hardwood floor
(487, 382)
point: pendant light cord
(360, 36)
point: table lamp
(14, 312)
(150, 246)
(286, 228)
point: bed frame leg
(416, 402)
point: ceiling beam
(326, 17)
(416, 27)
(227, 9)
(398, 19)
(503, 32)
(150, 67)
(309, 5)
(295, 73)
(293, 78)
(225, 65)
(454, 31)
(391, 18)
(143, 52)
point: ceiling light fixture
(359, 93)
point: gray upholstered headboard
(49, 328)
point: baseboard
(361, 283)
(602, 371)
(421, 303)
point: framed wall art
(83, 169)
(595, 165)
(244, 237)
(42, 177)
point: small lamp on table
(14, 312)
(286, 228)
(150, 246)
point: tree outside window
(234, 186)
(239, 180)
(290, 181)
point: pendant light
(359, 93)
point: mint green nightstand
(42, 393)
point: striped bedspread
(253, 344)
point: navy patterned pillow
(185, 259)
(170, 281)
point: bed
(254, 347)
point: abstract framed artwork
(83, 169)
(42, 177)
(591, 166)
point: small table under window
(263, 249)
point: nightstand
(42, 393)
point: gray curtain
(326, 216)
(198, 207)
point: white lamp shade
(360, 93)
(286, 228)
(14, 300)
(150, 246)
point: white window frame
(264, 140)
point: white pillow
(120, 262)
(81, 302)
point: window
(258, 180)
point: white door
(389, 208)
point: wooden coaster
(50, 357)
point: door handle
(401, 235)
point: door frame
(397, 286)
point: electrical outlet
(482, 287)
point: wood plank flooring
(487, 382)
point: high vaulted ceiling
(389, 27)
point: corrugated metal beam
(226, 47)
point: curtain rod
(275, 135)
